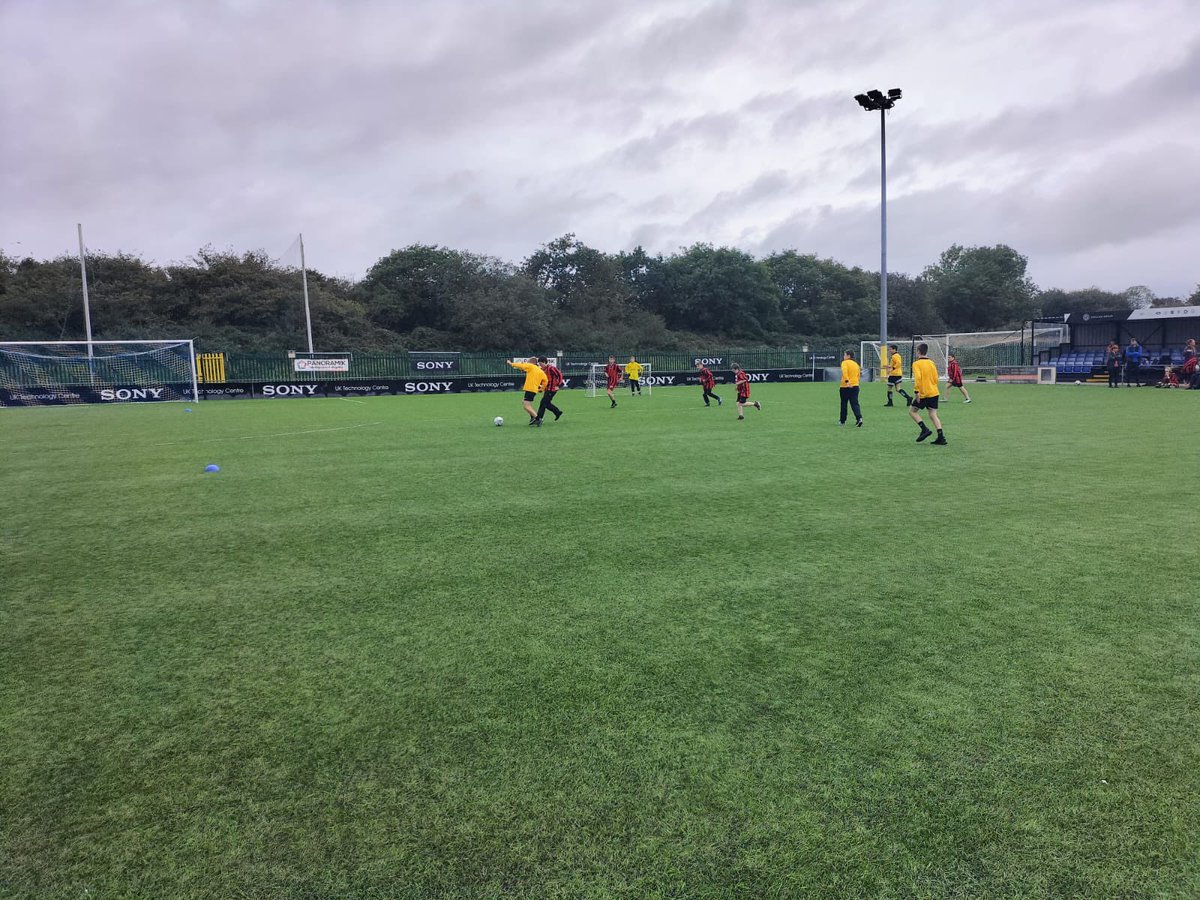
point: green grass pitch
(391, 650)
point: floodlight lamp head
(894, 93)
(876, 95)
(864, 101)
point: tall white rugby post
(871, 101)
(304, 284)
(87, 310)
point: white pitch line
(350, 400)
(253, 437)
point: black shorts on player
(895, 379)
(926, 403)
(529, 395)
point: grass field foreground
(392, 650)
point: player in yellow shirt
(895, 373)
(849, 390)
(633, 371)
(535, 380)
(925, 384)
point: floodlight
(872, 101)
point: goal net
(990, 354)
(67, 372)
(876, 357)
(597, 380)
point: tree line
(566, 295)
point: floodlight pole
(883, 326)
(870, 101)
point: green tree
(42, 300)
(910, 306)
(822, 296)
(714, 290)
(445, 298)
(415, 287)
(574, 274)
(1055, 301)
(237, 301)
(982, 288)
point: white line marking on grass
(349, 400)
(253, 437)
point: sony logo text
(131, 394)
(660, 379)
(426, 364)
(708, 361)
(757, 376)
(289, 390)
(427, 387)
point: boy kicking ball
(535, 380)
(925, 394)
(742, 383)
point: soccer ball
(498, 420)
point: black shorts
(529, 395)
(926, 403)
(744, 398)
(955, 382)
(895, 379)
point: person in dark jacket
(1113, 362)
(1133, 363)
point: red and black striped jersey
(954, 371)
(743, 383)
(554, 378)
(613, 371)
(706, 377)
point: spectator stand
(1161, 331)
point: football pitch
(391, 650)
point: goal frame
(874, 350)
(597, 382)
(91, 345)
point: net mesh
(68, 373)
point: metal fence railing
(260, 368)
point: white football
(498, 420)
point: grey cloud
(711, 131)
(1048, 130)
(1110, 206)
(768, 186)
(497, 126)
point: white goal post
(39, 373)
(873, 358)
(596, 380)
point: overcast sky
(1065, 128)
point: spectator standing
(1133, 363)
(1113, 362)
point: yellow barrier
(210, 368)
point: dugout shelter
(1162, 332)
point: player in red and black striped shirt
(954, 376)
(708, 382)
(742, 383)
(554, 381)
(613, 372)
